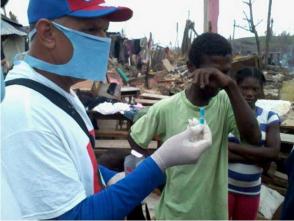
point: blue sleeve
(106, 173)
(288, 206)
(116, 201)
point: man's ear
(190, 66)
(46, 33)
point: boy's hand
(212, 77)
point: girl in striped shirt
(246, 162)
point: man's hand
(211, 77)
(185, 147)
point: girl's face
(251, 90)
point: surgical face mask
(89, 59)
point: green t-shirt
(196, 191)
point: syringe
(202, 115)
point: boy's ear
(190, 66)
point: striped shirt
(246, 178)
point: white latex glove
(185, 147)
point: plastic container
(132, 161)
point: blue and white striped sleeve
(273, 118)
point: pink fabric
(243, 207)
(113, 77)
(213, 12)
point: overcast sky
(161, 16)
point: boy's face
(223, 64)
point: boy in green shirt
(199, 191)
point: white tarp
(270, 200)
(281, 107)
(107, 108)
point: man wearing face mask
(47, 150)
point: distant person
(200, 191)
(270, 60)
(246, 161)
(47, 148)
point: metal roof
(8, 29)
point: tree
(251, 25)
(269, 31)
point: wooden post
(147, 76)
(233, 37)
(268, 32)
(253, 28)
(148, 61)
(211, 11)
(205, 20)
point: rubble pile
(173, 76)
(274, 82)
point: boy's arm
(137, 147)
(245, 118)
(145, 129)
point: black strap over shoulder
(55, 98)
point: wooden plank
(153, 96)
(288, 123)
(168, 66)
(130, 89)
(124, 144)
(99, 116)
(111, 133)
(167, 80)
(146, 102)
(287, 127)
(287, 138)
(281, 175)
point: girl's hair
(247, 72)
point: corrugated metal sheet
(8, 29)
